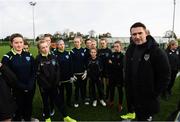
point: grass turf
(88, 113)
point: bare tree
(91, 33)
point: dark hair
(138, 24)
(26, 42)
(87, 40)
(118, 42)
(14, 36)
(48, 35)
(104, 39)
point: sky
(114, 16)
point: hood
(151, 42)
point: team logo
(146, 57)
(28, 58)
(67, 56)
(82, 54)
(53, 62)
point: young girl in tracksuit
(64, 61)
(94, 70)
(21, 63)
(79, 64)
(104, 53)
(116, 75)
(48, 80)
(173, 56)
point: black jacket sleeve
(9, 76)
(161, 69)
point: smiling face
(17, 44)
(138, 35)
(88, 44)
(61, 45)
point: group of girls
(55, 69)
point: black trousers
(106, 88)
(68, 88)
(96, 83)
(113, 84)
(173, 77)
(129, 101)
(53, 94)
(142, 115)
(80, 88)
(24, 101)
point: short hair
(104, 39)
(87, 40)
(14, 36)
(138, 24)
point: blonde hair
(40, 42)
(171, 43)
(79, 37)
(93, 49)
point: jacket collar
(14, 51)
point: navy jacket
(116, 67)
(79, 60)
(104, 55)
(65, 64)
(23, 66)
(173, 56)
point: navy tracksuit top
(23, 67)
(79, 60)
(65, 65)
